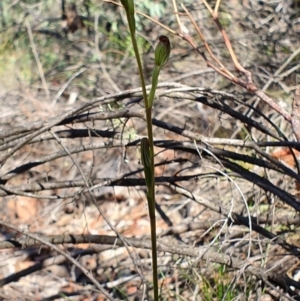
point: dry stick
(125, 181)
(221, 106)
(9, 135)
(87, 186)
(14, 192)
(206, 140)
(235, 142)
(205, 253)
(130, 182)
(275, 164)
(44, 126)
(31, 240)
(47, 125)
(284, 65)
(100, 56)
(122, 181)
(296, 115)
(249, 85)
(247, 175)
(237, 218)
(228, 45)
(217, 6)
(12, 173)
(38, 62)
(46, 242)
(138, 113)
(281, 68)
(66, 84)
(294, 121)
(222, 68)
(93, 103)
(125, 113)
(54, 260)
(181, 29)
(18, 242)
(273, 105)
(224, 71)
(286, 197)
(288, 72)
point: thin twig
(38, 62)
(48, 243)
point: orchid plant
(162, 53)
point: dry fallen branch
(44, 241)
(205, 253)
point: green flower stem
(154, 86)
(150, 180)
(129, 8)
(162, 52)
(148, 170)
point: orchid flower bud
(162, 51)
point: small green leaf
(145, 153)
(146, 161)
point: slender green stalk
(162, 52)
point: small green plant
(162, 53)
(218, 288)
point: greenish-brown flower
(162, 51)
